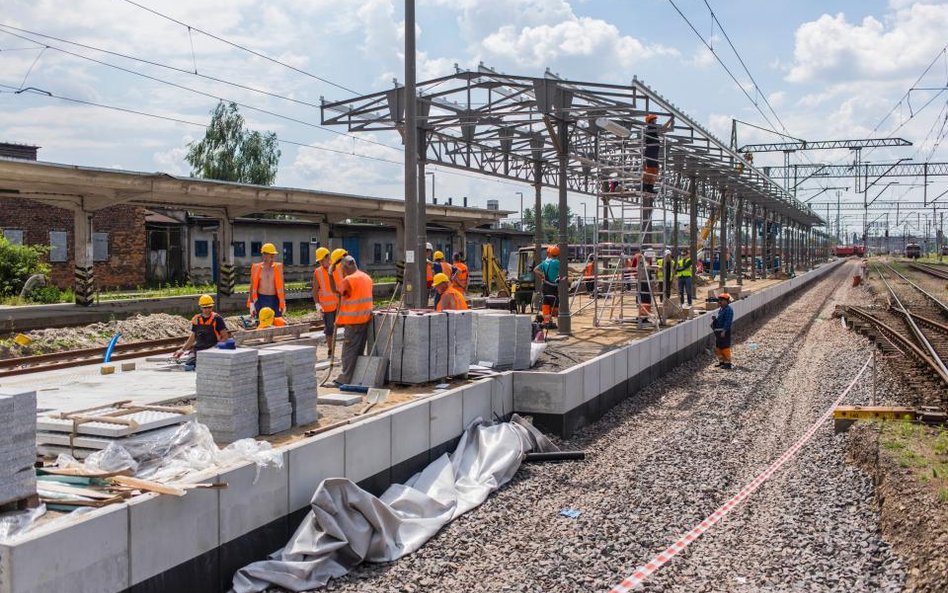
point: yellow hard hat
(439, 278)
(269, 248)
(321, 253)
(438, 256)
(265, 317)
(206, 300)
(338, 254)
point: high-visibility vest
(660, 273)
(255, 271)
(328, 299)
(429, 274)
(356, 305)
(200, 320)
(684, 267)
(588, 271)
(451, 300)
(461, 278)
(445, 268)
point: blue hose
(111, 347)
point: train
(848, 250)
(913, 251)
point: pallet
(21, 504)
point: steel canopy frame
(508, 126)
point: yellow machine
(495, 280)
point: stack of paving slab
(17, 445)
(273, 392)
(495, 339)
(460, 342)
(522, 339)
(227, 393)
(300, 365)
(416, 345)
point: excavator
(496, 288)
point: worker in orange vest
(267, 318)
(326, 281)
(462, 274)
(440, 267)
(355, 315)
(207, 329)
(266, 283)
(429, 270)
(451, 298)
(589, 276)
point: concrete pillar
(227, 273)
(84, 273)
(324, 232)
(722, 258)
(564, 323)
(693, 230)
(537, 209)
(765, 244)
(738, 251)
(461, 242)
(753, 238)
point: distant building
(18, 151)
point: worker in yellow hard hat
(207, 329)
(440, 267)
(326, 281)
(267, 318)
(721, 325)
(266, 283)
(451, 298)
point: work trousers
(684, 289)
(353, 346)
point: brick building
(118, 240)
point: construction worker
(462, 274)
(266, 283)
(355, 315)
(589, 276)
(683, 272)
(440, 267)
(267, 318)
(666, 267)
(651, 137)
(207, 329)
(325, 291)
(721, 325)
(645, 290)
(547, 275)
(429, 269)
(450, 298)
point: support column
(564, 322)
(753, 237)
(765, 244)
(226, 272)
(722, 258)
(739, 253)
(84, 273)
(324, 231)
(693, 232)
(462, 240)
(537, 210)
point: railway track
(72, 358)
(936, 271)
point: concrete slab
(411, 431)
(368, 447)
(635, 355)
(165, 531)
(501, 394)
(338, 399)
(590, 374)
(475, 402)
(313, 460)
(572, 382)
(621, 365)
(251, 501)
(85, 553)
(538, 393)
(607, 372)
(445, 421)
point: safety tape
(649, 568)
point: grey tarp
(346, 525)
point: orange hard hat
(724, 296)
(651, 117)
(553, 250)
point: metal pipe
(554, 456)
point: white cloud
(338, 169)
(833, 49)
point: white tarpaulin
(346, 525)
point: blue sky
(830, 70)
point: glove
(253, 309)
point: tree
(229, 152)
(550, 216)
(17, 264)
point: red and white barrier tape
(646, 570)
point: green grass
(943, 495)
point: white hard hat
(429, 247)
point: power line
(241, 47)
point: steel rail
(942, 307)
(930, 270)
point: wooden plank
(73, 490)
(147, 485)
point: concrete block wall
(195, 543)
(565, 401)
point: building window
(100, 247)
(389, 252)
(57, 246)
(200, 248)
(304, 253)
(377, 253)
(240, 248)
(287, 253)
(255, 248)
(14, 236)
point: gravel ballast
(663, 460)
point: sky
(829, 70)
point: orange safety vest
(356, 305)
(200, 320)
(445, 268)
(588, 270)
(328, 300)
(462, 277)
(255, 271)
(429, 275)
(451, 300)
